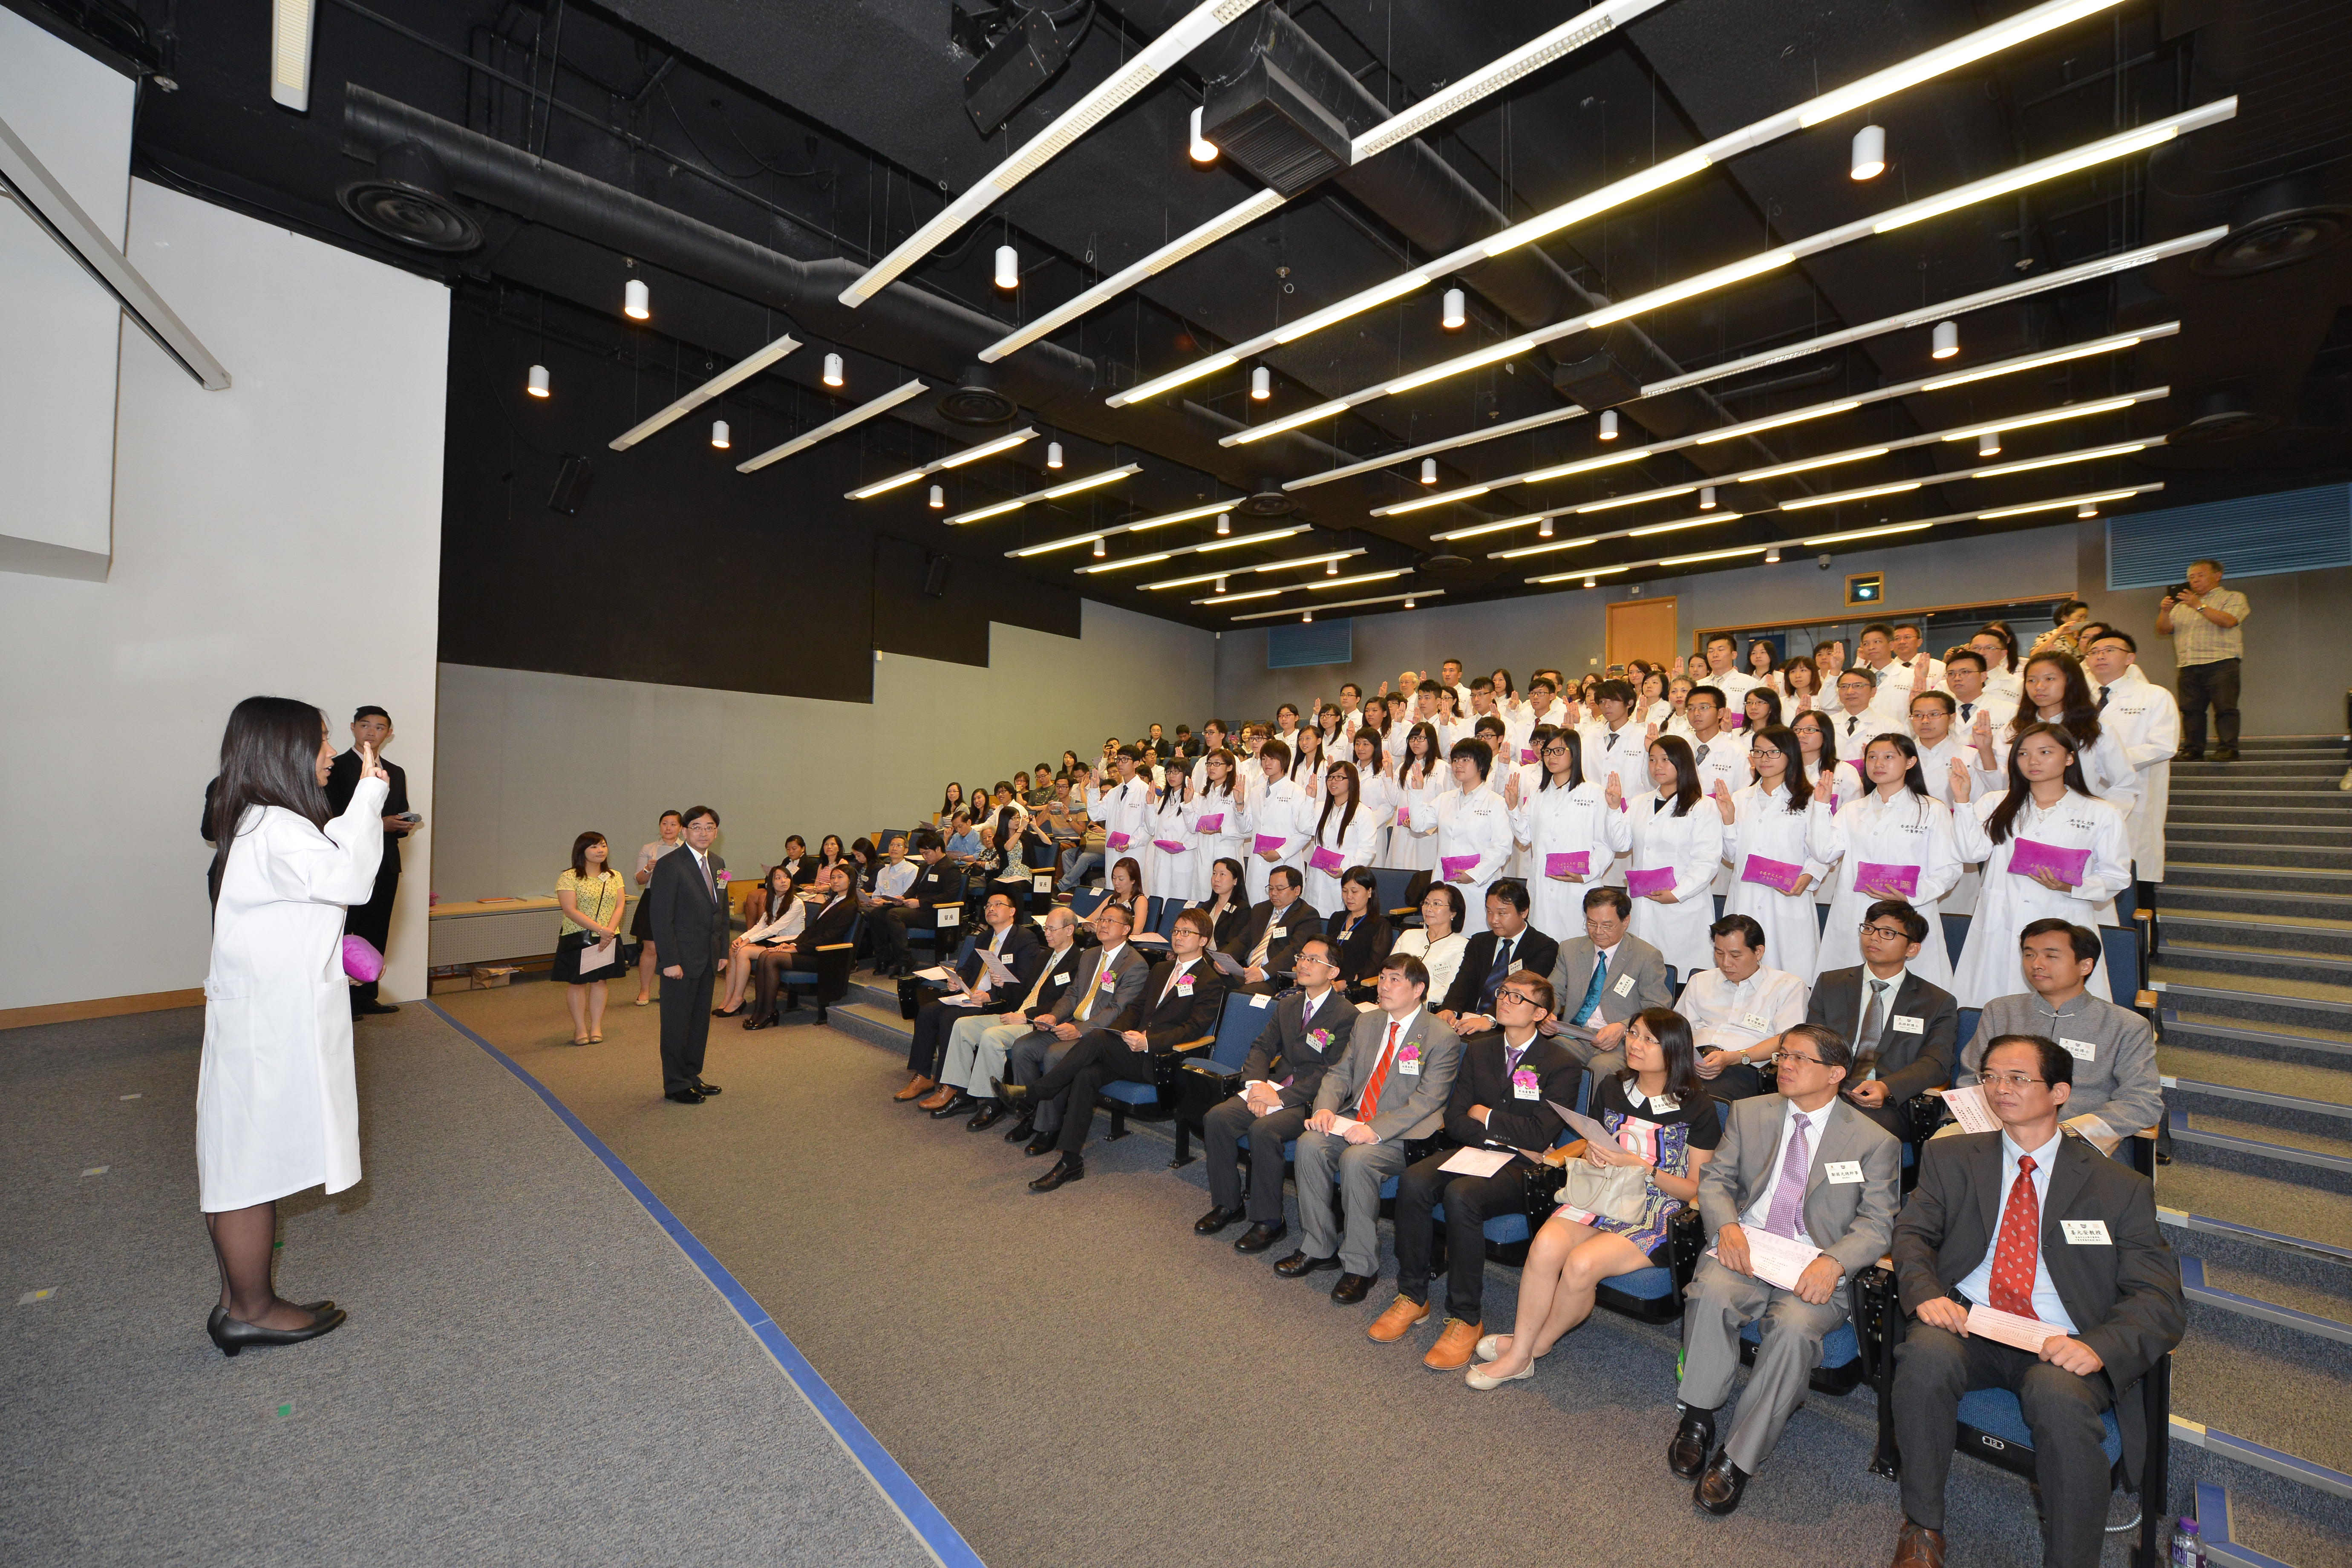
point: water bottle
(2188, 1546)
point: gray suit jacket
(1635, 958)
(1298, 1048)
(1417, 1114)
(1126, 984)
(1850, 1221)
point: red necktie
(2016, 1249)
(1369, 1106)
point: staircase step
(2296, 1044)
(2321, 937)
(2185, 901)
(2286, 1094)
(876, 1026)
(2324, 1163)
(2267, 1382)
(2285, 1207)
(2202, 873)
(2317, 790)
(2332, 818)
(2243, 1526)
(2253, 855)
(2323, 765)
(2262, 953)
(2227, 1295)
(2242, 966)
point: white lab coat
(1125, 812)
(1476, 824)
(278, 1099)
(1210, 844)
(1380, 798)
(2105, 769)
(1274, 811)
(1622, 752)
(1564, 822)
(1873, 830)
(2145, 720)
(1166, 874)
(1726, 764)
(1935, 767)
(1356, 846)
(1989, 965)
(1854, 732)
(1692, 845)
(1763, 824)
(1412, 842)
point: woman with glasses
(1893, 842)
(1767, 844)
(1421, 778)
(1759, 709)
(1572, 838)
(1667, 1126)
(1359, 933)
(1376, 776)
(1345, 833)
(1677, 847)
(2057, 693)
(1439, 941)
(1212, 814)
(2051, 849)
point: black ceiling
(813, 137)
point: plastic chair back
(1238, 1028)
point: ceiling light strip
(1533, 422)
(1349, 604)
(857, 415)
(1567, 37)
(2018, 29)
(1316, 586)
(1014, 503)
(1237, 540)
(1101, 566)
(2061, 502)
(1137, 525)
(1161, 55)
(717, 385)
(953, 460)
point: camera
(2180, 592)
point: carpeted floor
(532, 1374)
(1076, 1378)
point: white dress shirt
(1731, 1018)
(1977, 1286)
(893, 880)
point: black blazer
(1062, 971)
(1907, 1063)
(1533, 951)
(2125, 1296)
(939, 884)
(1361, 954)
(686, 923)
(1298, 922)
(1023, 951)
(823, 928)
(803, 871)
(343, 781)
(1176, 1019)
(1229, 925)
(1481, 1080)
(1287, 1046)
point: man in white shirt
(891, 880)
(1859, 717)
(1908, 653)
(1544, 706)
(2147, 724)
(1724, 673)
(1964, 678)
(1449, 674)
(1124, 808)
(1739, 1009)
(1932, 731)
(1876, 651)
(1721, 753)
(1351, 708)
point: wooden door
(1643, 628)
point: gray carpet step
(2253, 1002)
(2217, 962)
(2323, 1162)
(2267, 1382)
(2185, 901)
(2258, 846)
(2265, 1045)
(2328, 767)
(2282, 791)
(2281, 1521)
(2286, 1272)
(2333, 817)
(2206, 871)
(2313, 1094)
(2281, 1205)
(2324, 941)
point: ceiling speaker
(409, 201)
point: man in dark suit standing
(1305, 1033)
(1508, 945)
(689, 900)
(2034, 1222)
(1903, 1030)
(372, 726)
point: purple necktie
(1789, 1197)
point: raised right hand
(1723, 803)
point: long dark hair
(1430, 760)
(1209, 780)
(1767, 696)
(832, 841)
(1673, 1033)
(1373, 738)
(1575, 757)
(1355, 799)
(1828, 762)
(1783, 740)
(1999, 631)
(1678, 751)
(1912, 779)
(2004, 815)
(580, 855)
(1241, 883)
(268, 756)
(951, 799)
(2077, 711)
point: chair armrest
(1687, 1239)
(2148, 1001)
(834, 947)
(1925, 1113)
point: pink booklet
(2027, 855)
(1269, 843)
(1641, 884)
(1170, 845)
(1527, 754)
(1453, 866)
(1778, 875)
(1117, 841)
(1213, 822)
(1327, 860)
(1404, 816)
(1577, 863)
(1903, 880)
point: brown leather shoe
(917, 1086)
(1402, 1314)
(1918, 1547)
(1454, 1348)
(938, 1098)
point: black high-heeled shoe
(233, 1335)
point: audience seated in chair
(1016, 946)
(1806, 1167)
(979, 1043)
(1108, 980)
(1506, 945)
(1978, 1231)
(1900, 1026)
(1358, 931)
(1603, 978)
(831, 915)
(776, 915)
(1270, 940)
(937, 881)
(1739, 1009)
(2115, 1091)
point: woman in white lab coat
(1166, 847)
(277, 1093)
(1308, 764)
(2057, 693)
(1771, 820)
(1421, 778)
(1270, 817)
(1212, 814)
(1564, 815)
(1817, 753)
(2046, 805)
(1343, 831)
(1376, 775)
(1124, 809)
(1894, 824)
(1473, 830)
(1674, 830)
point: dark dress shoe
(233, 1336)
(1258, 1237)
(1015, 1094)
(685, 1097)
(1694, 1440)
(1067, 1169)
(1352, 1289)
(734, 1011)
(1041, 1145)
(705, 1089)
(1918, 1547)
(1022, 1131)
(764, 1021)
(1719, 1485)
(1298, 1263)
(961, 1103)
(1214, 1221)
(2225, 754)
(374, 1010)
(990, 1112)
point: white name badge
(1526, 1091)
(1260, 1000)
(1842, 1172)
(1409, 1066)
(1906, 1024)
(1624, 986)
(2085, 1232)
(2081, 1051)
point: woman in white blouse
(1761, 667)
(1894, 832)
(1439, 941)
(1212, 814)
(1376, 776)
(1767, 844)
(278, 1107)
(2048, 816)
(1571, 834)
(2057, 693)
(1473, 830)
(1677, 843)
(1800, 686)
(1997, 644)
(1421, 778)
(672, 834)
(1342, 831)
(1166, 849)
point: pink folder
(1453, 866)
(1117, 841)
(1404, 816)
(1170, 845)
(1641, 884)
(1904, 879)
(1327, 860)
(1268, 843)
(1578, 863)
(1527, 754)
(1778, 875)
(1213, 823)
(2027, 855)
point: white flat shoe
(1478, 1379)
(1490, 1348)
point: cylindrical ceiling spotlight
(1456, 313)
(1707, 497)
(1408, 603)
(1772, 556)
(1308, 617)
(1203, 149)
(1869, 153)
(939, 497)
(1989, 444)
(538, 385)
(1224, 523)
(832, 376)
(1261, 384)
(1101, 549)
(1947, 340)
(719, 433)
(2087, 510)
(1008, 267)
(1220, 584)
(1053, 454)
(1429, 470)
(1609, 425)
(1543, 529)
(1592, 582)
(637, 300)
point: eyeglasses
(1887, 932)
(2010, 1080)
(1322, 957)
(1793, 1057)
(1513, 994)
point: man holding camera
(2203, 620)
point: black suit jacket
(823, 928)
(802, 871)
(939, 884)
(1023, 951)
(1361, 954)
(343, 782)
(2125, 1296)
(1298, 922)
(1481, 1080)
(688, 924)
(1907, 1063)
(1229, 925)
(1177, 1019)
(1533, 950)
(1287, 1049)
(1061, 968)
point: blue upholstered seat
(1839, 1347)
(1995, 1413)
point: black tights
(243, 1242)
(769, 977)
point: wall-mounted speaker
(570, 486)
(934, 577)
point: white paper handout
(1969, 1110)
(999, 972)
(1340, 1125)
(2025, 1333)
(1774, 1258)
(939, 974)
(1478, 1162)
(1586, 1128)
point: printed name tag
(1184, 985)
(1260, 1001)
(1842, 1172)
(1908, 1026)
(2081, 1051)
(1526, 1091)
(2085, 1232)
(1624, 986)
(1755, 1021)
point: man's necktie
(1496, 975)
(1265, 944)
(709, 885)
(1968, 710)
(2103, 698)
(2016, 1249)
(1851, 724)
(1370, 1105)
(1037, 986)
(1173, 975)
(1873, 1024)
(1789, 1197)
(1094, 987)
(1702, 753)
(1584, 1009)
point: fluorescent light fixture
(1715, 555)
(719, 433)
(1525, 550)
(1456, 366)
(1864, 533)
(1050, 546)
(987, 448)
(537, 385)
(1611, 504)
(1476, 529)
(1122, 564)
(1107, 477)
(833, 375)
(1213, 508)
(1586, 465)
(1951, 57)
(1802, 464)
(1230, 221)
(1288, 422)
(1839, 497)
(2122, 448)
(1265, 538)
(2065, 411)
(1566, 38)
(1419, 503)
(980, 513)
(1947, 341)
(1236, 541)
(1238, 598)
(1689, 287)
(2064, 501)
(1588, 573)
(2058, 165)
(1680, 523)
(1361, 577)
(1456, 311)
(1201, 150)
(1869, 159)
(291, 23)
(726, 381)
(1145, 67)
(1333, 557)
(953, 460)
(1775, 421)
(1352, 603)
(832, 428)
(1014, 503)
(637, 300)
(2113, 345)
